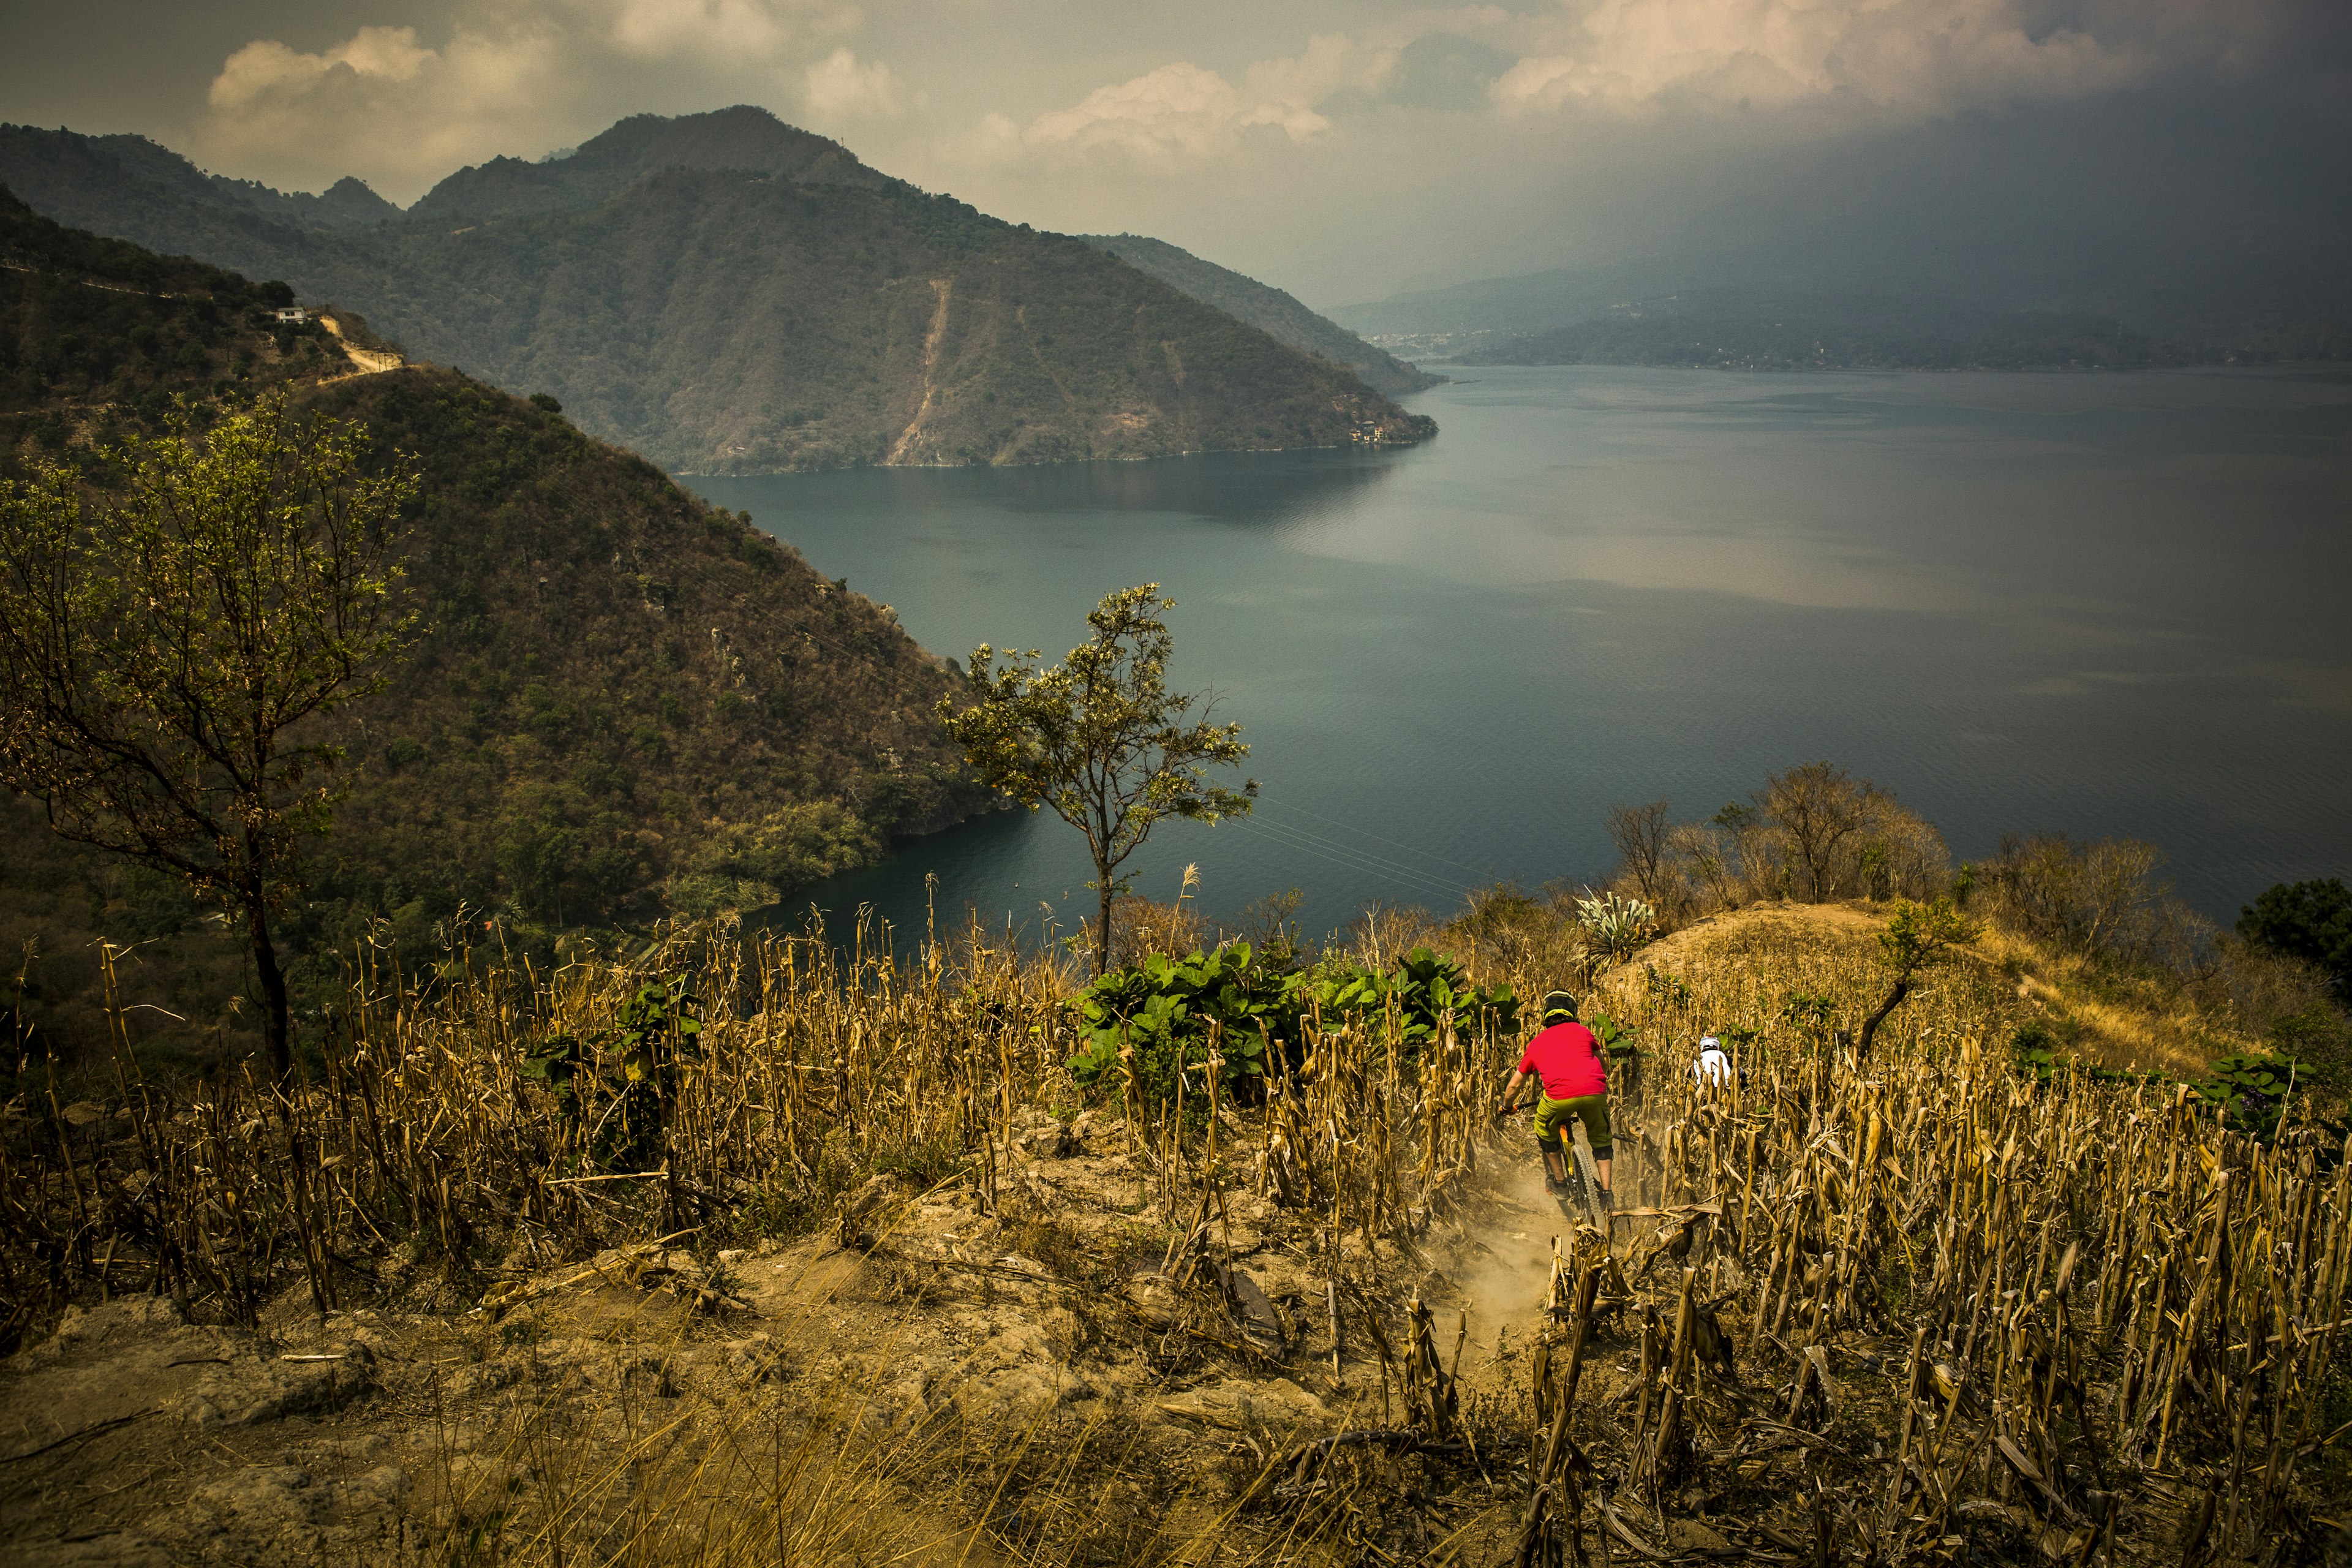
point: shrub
(1162, 1015)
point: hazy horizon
(1345, 154)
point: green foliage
(1100, 738)
(2309, 920)
(1229, 1008)
(1618, 1042)
(1165, 1016)
(1920, 935)
(564, 737)
(2255, 1087)
(620, 1083)
(166, 658)
(1615, 927)
(1424, 992)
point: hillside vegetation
(626, 704)
(1272, 310)
(725, 293)
(736, 1244)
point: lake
(2102, 605)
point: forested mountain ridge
(1272, 310)
(600, 168)
(787, 308)
(625, 702)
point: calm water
(2101, 605)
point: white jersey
(1713, 1065)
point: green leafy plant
(1615, 927)
(621, 1083)
(1226, 1010)
(1167, 1016)
(2255, 1087)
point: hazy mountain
(728, 294)
(1269, 310)
(347, 204)
(1746, 328)
(2217, 234)
(625, 701)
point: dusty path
(369, 361)
(133, 1437)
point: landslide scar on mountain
(942, 290)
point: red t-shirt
(1567, 1058)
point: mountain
(725, 293)
(642, 145)
(1745, 328)
(2217, 229)
(626, 702)
(1525, 304)
(345, 205)
(1271, 310)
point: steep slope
(1271, 310)
(804, 312)
(626, 702)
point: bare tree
(1640, 834)
(1817, 807)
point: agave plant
(1615, 926)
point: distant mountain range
(2210, 224)
(725, 293)
(1271, 310)
(1748, 329)
(625, 702)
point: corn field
(1901, 1309)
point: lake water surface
(2105, 604)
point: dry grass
(1964, 1311)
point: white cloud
(1922, 56)
(841, 86)
(401, 112)
(1184, 113)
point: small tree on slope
(1100, 738)
(157, 655)
(1917, 937)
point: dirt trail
(370, 361)
(134, 1437)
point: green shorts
(1593, 1109)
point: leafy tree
(1917, 936)
(1100, 738)
(2310, 921)
(159, 653)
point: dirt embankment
(2128, 1028)
(1065, 1321)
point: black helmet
(1559, 1006)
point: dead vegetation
(1917, 1308)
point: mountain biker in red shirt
(1573, 1082)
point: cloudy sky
(1344, 151)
